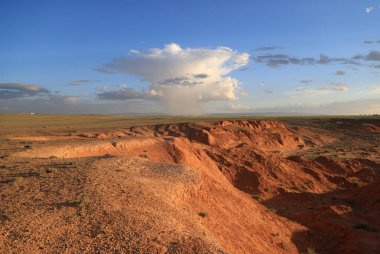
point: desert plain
(213, 184)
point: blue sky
(305, 57)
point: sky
(190, 57)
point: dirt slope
(222, 187)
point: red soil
(370, 127)
(259, 198)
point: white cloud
(102, 88)
(369, 9)
(375, 90)
(180, 78)
(70, 99)
(304, 91)
(336, 88)
(238, 107)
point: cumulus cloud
(18, 90)
(180, 78)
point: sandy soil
(206, 187)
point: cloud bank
(278, 60)
(19, 90)
(306, 91)
(179, 78)
(352, 107)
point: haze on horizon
(194, 57)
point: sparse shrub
(17, 179)
(310, 184)
(309, 156)
(27, 146)
(281, 211)
(334, 157)
(286, 246)
(203, 214)
(257, 197)
(365, 227)
(99, 229)
(299, 188)
(3, 216)
(359, 184)
(48, 170)
(310, 250)
(53, 157)
(84, 201)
